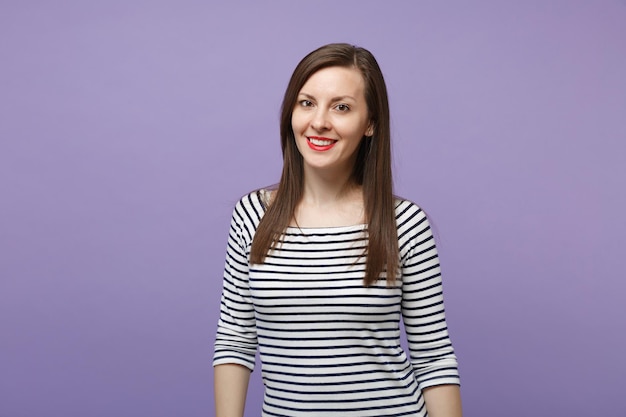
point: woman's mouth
(319, 143)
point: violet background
(129, 129)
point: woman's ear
(370, 129)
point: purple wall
(129, 129)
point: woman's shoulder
(251, 207)
(410, 217)
(405, 207)
(414, 227)
(258, 199)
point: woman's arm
(236, 338)
(443, 401)
(432, 353)
(230, 387)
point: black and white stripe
(330, 346)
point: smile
(320, 144)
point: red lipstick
(318, 147)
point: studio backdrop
(129, 129)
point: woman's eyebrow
(338, 98)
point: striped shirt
(329, 346)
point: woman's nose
(320, 121)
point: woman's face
(330, 119)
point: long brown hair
(372, 169)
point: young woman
(320, 270)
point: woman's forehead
(335, 81)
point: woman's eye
(342, 107)
(306, 103)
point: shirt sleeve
(432, 354)
(236, 340)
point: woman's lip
(320, 148)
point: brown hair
(372, 169)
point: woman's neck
(329, 202)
